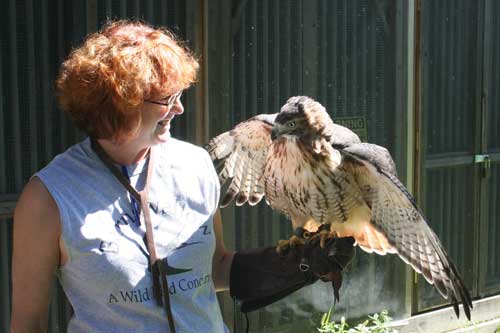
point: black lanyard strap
(160, 283)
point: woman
(77, 219)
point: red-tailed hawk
(320, 175)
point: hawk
(322, 177)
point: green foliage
(497, 330)
(376, 323)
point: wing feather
(240, 156)
(235, 189)
(396, 215)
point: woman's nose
(177, 107)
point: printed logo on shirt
(110, 247)
(177, 285)
(146, 294)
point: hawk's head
(302, 116)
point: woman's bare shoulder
(36, 208)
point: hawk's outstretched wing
(395, 214)
(240, 157)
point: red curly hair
(103, 83)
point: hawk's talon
(323, 235)
(282, 247)
(285, 245)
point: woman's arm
(221, 266)
(36, 256)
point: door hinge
(485, 162)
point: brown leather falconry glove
(260, 277)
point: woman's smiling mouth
(164, 122)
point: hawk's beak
(274, 133)
(277, 131)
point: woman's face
(156, 118)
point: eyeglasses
(170, 100)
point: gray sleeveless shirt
(106, 278)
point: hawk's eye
(291, 124)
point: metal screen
(489, 247)
(449, 77)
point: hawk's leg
(323, 234)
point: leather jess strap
(160, 284)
